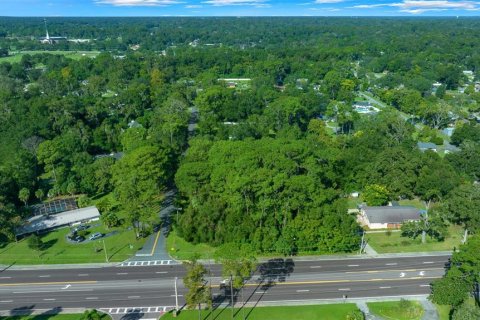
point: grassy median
(324, 312)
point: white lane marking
(303, 290)
(421, 273)
(50, 299)
(424, 285)
(260, 292)
(315, 267)
(353, 265)
(162, 272)
(391, 264)
(67, 286)
(385, 287)
(402, 274)
(91, 298)
(83, 274)
(179, 295)
(344, 289)
(122, 273)
(28, 291)
(428, 262)
(6, 301)
(133, 297)
(45, 276)
(5, 277)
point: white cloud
(193, 6)
(421, 6)
(140, 3)
(257, 3)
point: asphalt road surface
(123, 288)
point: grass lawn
(417, 203)
(183, 250)
(394, 242)
(52, 317)
(324, 312)
(443, 312)
(58, 250)
(397, 310)
(354, 202)
(76, 55)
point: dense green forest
(272, 158)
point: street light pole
(176, 296)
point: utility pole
(361, 243)
(231, 292)
(176, 298)
(105, 249)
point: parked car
(78, 239)
(80, 228)
(95, 236)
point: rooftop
(45, 222)
(391, 214)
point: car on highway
(95, 236)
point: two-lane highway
(274, 280)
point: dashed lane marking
(385, 287)
(44, 283)
(6, 301)
(303, 291)
(353, 265)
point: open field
(324, 312)
(58, 249)
(180, 249)
(76, 55)
(384, 243)
(397, 310)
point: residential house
(387, 217)
(424, 146)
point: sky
(47, 8)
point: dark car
(80, 228)
(156, 228)
(78, 239)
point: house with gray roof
(424, 146)
(387, 217)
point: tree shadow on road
(133, 314)
(269, 274)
